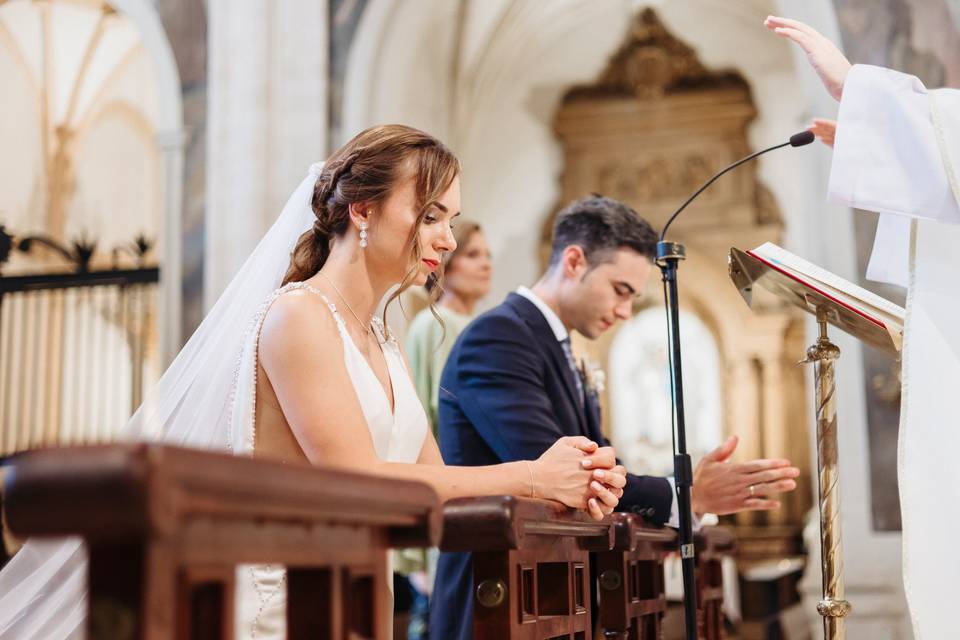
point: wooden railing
(712, 545)
(531, 565)
(535, 562)
(631, 581)
(166, 527)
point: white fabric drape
(897, 152)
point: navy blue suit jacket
(507, 393)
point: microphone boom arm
(714, 179)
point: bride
(315, 376)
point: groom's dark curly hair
(600, 226)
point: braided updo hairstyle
(367, 169)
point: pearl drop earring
(363, 235)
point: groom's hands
(722, 487)
(580, 474)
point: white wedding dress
(398, 436)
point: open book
(868, 305)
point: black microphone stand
(669, 255)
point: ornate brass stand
(833, 607)
(751, 272)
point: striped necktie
(565, 343)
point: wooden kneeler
(165, 528)
(531, 565)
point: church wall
(267, 121)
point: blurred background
(146, 145)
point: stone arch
(145, 41)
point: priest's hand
(825, 130)
(827, 60)
(722, 487)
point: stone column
(171, 147)
(743, 409)
(774, 425)
(267, 120)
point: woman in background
(466, 280)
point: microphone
(796, 140)
(801, 139)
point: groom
(511, 386)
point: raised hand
(827, 60)
(825, 130)
(722, 487)
(580, 474)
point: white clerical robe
(897, 152)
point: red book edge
(776, 268)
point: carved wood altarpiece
(650, 130)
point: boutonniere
(594, 379)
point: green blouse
(428, 344)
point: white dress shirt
(561, 333)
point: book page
(866, 302)
(844, 290)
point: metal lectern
(750, 271)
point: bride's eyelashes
(431, 218)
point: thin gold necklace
(364, 327)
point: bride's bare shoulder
(299, 321)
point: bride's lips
(431, 264)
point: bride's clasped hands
(580, 474)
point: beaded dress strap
(253, 331)
(303, 286)
(383, 334)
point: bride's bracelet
(533, 490)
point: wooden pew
(165, 528)
(630, 578)
(531, 565)
(712, 545)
